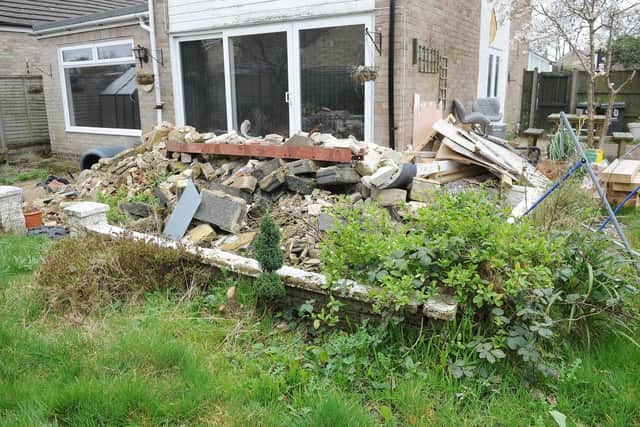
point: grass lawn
(166, 361)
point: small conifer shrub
(269, 287)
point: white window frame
(292, 30)
(92, 63)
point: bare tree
(585, 27)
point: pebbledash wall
(453, 27)
(72, 144)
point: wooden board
(466, 172)
(425, 114)
(439, 166)
(622, 171)
(338, 155)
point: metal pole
(594, 178)
(555, 186)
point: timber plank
(338, 155)
(621, 171)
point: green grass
(172, 362)
(39, 174)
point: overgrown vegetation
(115, 214)
(39, 174)
(83, 275)
(268, 286)
(523, 293)
(171, 360)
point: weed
(37, 174)
(82, 275)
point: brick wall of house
(15, 50)
(453, 28)
(73, 144)
(162, 42)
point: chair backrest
(490, 107)
(458, 108)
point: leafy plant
(561, 147)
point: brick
(272, 181)
(422, 189)
(222, 210)
(337, 175)
(246, 183)
(265, 168)
(390, 197)
(300, 185)
(301, 167)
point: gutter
(151, 29)
(88, 25)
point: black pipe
(391, 66)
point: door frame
(292, 29)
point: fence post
(534, 98)
(27, 109)
(573, 95)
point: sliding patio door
(278, 78)
(260, 82)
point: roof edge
(110, 16)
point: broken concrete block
(186, 158)
(390, 197)
(246, 183)
(247, 197)
(208, 171)
(138, 209)
(422, 189)
(382, 176)
(222, 210)
(299, 141)
(442, 307)
(337, 175)
(272, 181)
(200, 234)
(183, 213)
(300, 185)
(301, 167)
(237, 241)
(326, 222)
(369, 164)
(265, 168)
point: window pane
(331, 101)
(495, 84)
(115, 51)
(82, 54)
(104, 96)
(261, 82)
(203, 85)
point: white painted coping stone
(439, 307)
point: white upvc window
(99, 89)
(282, 77)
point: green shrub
(267, 245)
(523, 288)
(268, 287)
(85, 274)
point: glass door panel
(260, 82)
(331, 101)
(203, 85)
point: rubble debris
(422, 189)
(222, 210)
(390, 197)
(272, 181)
(301, 167)
(235, 242)
(137, 209)
(297, 184)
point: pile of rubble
(217, 200)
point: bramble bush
(524, 289)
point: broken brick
(222, 210)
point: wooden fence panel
(23, 115)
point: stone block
(390, 197)
(201, 233)
(186, 158)
(247, 197)
(208, 171)
(337, 175)
(265, 168)
(300, 185)
(272, 181)
(11, 216)
(299, 141)
(82, 215)
(422, 189)
(246, 183)
(301, 167)
(222, 210)
(382, 176)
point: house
(539, 62)
(349, 67)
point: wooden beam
(337, 155)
